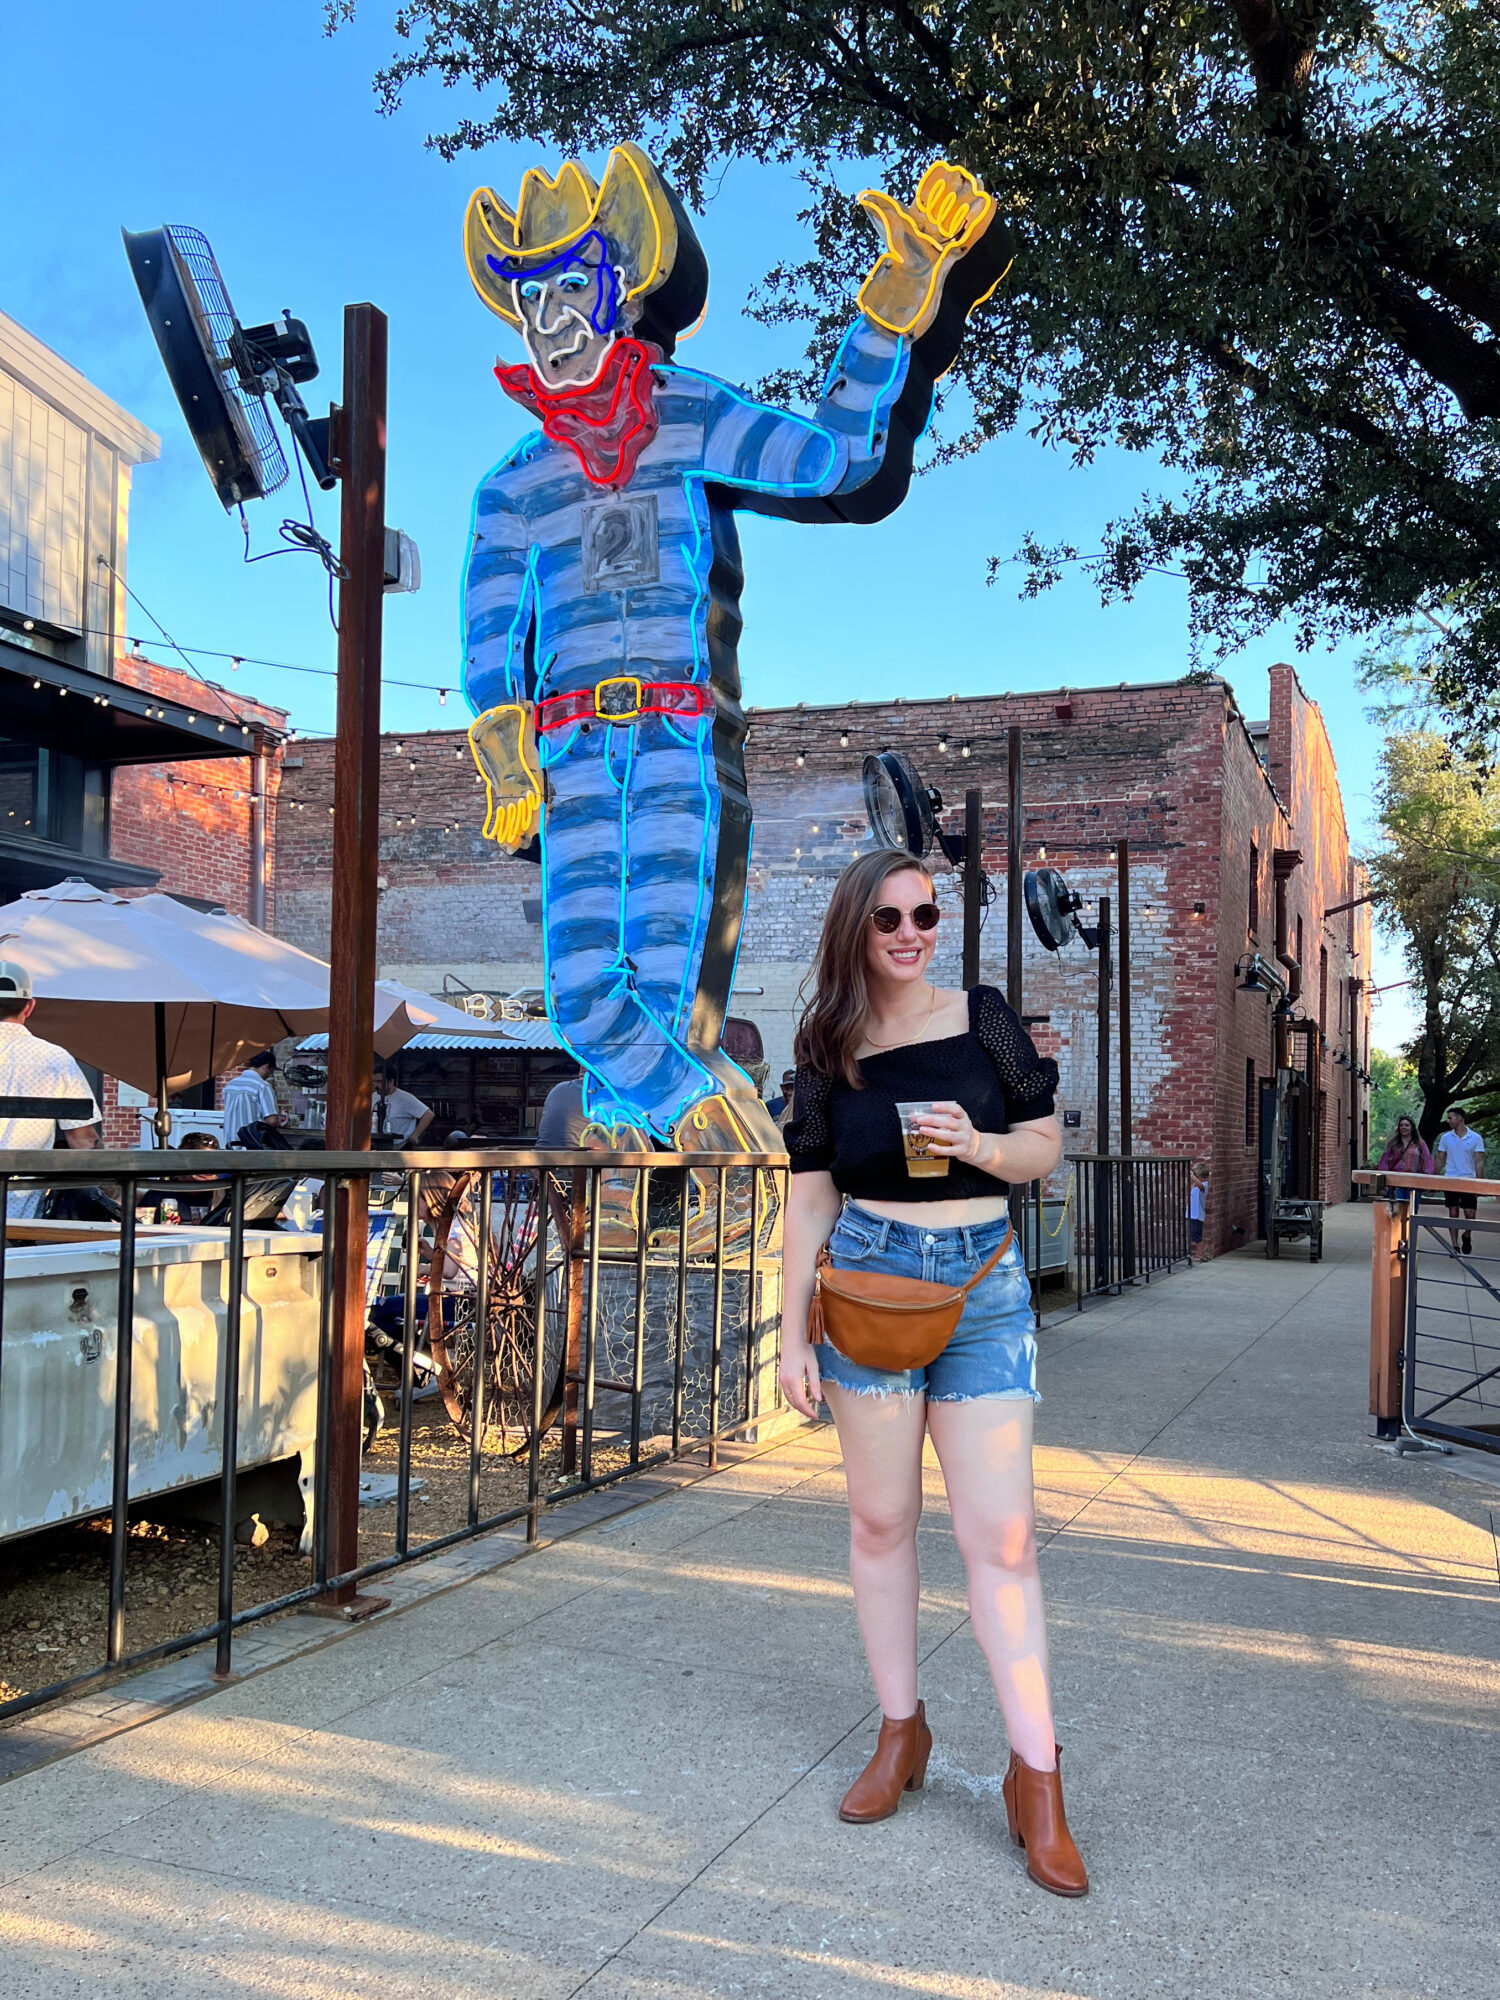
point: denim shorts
(993, 1350)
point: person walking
(1405, 1152)
(1461, 1149)
(916, 1107)
(42, 1089)
(249, 1098)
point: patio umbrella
(162, 994)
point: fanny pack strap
(825, 1260)
(985, 1269)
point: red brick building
(206, 828)
(1216, 810)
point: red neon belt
(623, 698)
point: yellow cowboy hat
(635, 211)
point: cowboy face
(569, 312)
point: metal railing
(587, 1317)
(1130, 1219)
(1451, 1353)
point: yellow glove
(503, 741)
(923, 242)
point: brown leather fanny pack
(882, 1321)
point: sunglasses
(887, 917)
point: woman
(878, 1033)
(1406, 1150)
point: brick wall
(1172, 768)
(192, 821)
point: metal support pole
(1014, 887)
(360, 432)
(119, 1511)
(1101, 1090)
(1122, 856)
(1127, 1182)
(258, 784)
(161, 1122)
(1100, 1233)
(973, 884)
(229, 1425)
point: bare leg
(985, 1450)
(881, 1441)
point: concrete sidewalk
(613, 1768)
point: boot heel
(919, 1770)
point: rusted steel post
(356, 839)
(1014, 883)
(1387, 1315)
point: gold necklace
(931, 1004)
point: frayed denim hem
(872, 1389)
(991, 1396)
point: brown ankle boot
(899, 1765)
(1034, 1807)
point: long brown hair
(832, 1024)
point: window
(48, 795)
(1254, 916)
(1249, 1100)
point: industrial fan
(223, 372)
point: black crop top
(993, 1071)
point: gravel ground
(54, 1586)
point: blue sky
(253, 125)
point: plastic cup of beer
(921, 1162)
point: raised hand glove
(504, 745)
(923, 242)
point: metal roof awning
(39, 864)
(518, 1035)
(109, 721)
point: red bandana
(609, 422)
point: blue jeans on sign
(993, 1349)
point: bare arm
(82, 1135)
(813, 1205)
(1027, 1152)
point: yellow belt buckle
(607, 713)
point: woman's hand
(801, 1383)
(952, 1133)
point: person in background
(1197, 1208)
(249, 1098)
(1405, 1152)
(188, 1207)
(1462, 1152)
(47, 1091)
(780, 1107)
(400, 1118)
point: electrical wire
(301, 537)
(197, 673)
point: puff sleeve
(1028, 1080)
(809, 1135)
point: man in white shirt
(42, 1089)
(399, 1118)
(1462, 1152)
(249, 1098)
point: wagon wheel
(509, 1359)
